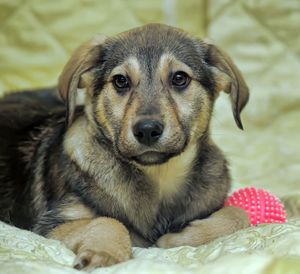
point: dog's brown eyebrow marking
(168, 63)
(130, 67)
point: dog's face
(153, 94)
(151, 90)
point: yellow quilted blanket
(263, 37)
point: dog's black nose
(147, 132)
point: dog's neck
(171, 176)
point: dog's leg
(223, 222)
(96, 242)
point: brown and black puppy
(138, 151)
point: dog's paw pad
(88, 260)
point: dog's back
(21, 114)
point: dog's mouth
(155, 155)
(153, 158)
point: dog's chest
(158, 204)
(169, 178)
(138, 202)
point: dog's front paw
(96, 242)
(182, 238)
(223, 222)
(104, 242)
(89, 260)
(168, 241)
(195, 234)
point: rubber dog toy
(261, 206)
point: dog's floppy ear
(229, 79)
(83, 59)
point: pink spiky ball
(261, 206)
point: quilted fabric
(36, 38)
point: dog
(134, 165)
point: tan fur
(229, 79)
(78, 141)
(168, 63)
(81, 62)
(184, 101)
(77, 211)
(199, 232)
(82, 59)
(131, 67)
(203, 118)
(97, 242)
(170, 177)
(115, 104)
(102, 115)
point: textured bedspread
(263, 37)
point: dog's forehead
(149, 43)
(146, 46)
(167, 63)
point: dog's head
(151, 90)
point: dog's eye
(120, 83)
(180, 79)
